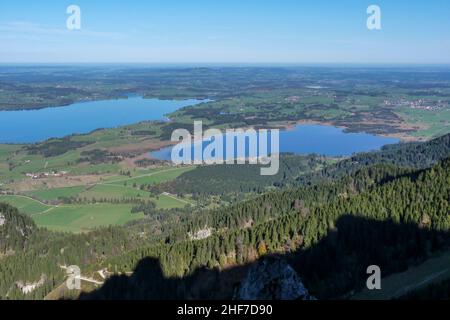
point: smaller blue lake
(319, 139)
(26, 126)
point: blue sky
(227, 31)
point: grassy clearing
(73, 218)
(25, 205)
(435, 269)
(112, 191)
(151, 177)
(83, 218)
(169, 202)
(56, 193)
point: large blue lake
(36, 125)
(307, 139)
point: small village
(419, 104)
(42, 175)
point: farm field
(88, 193)
(103, 191)
(55, 193)
(149, 177)
(73, 218)
(433, 124)
(83, 218)
(112, 192)
(25, 204)
(165, 201)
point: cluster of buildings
(421, 104)
(41, 175)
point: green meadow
(56, 193)
(86, 216)
(434, 123)
(83, 218)
(169, 202)
(25, 205)
(111, 192)
(149, 177)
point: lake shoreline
(403, 137)
(302, 139)
(35, 126)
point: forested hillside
(36, 256)
(329, 231)
(15, 229)
(393, 224)
(240, 179)
(418, 155)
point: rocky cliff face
(272, 279)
